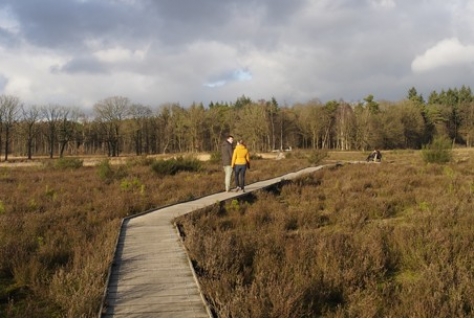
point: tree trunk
(7, 141)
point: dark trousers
(240, 175)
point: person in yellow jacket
(240, 163)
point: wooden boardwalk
(151, 275)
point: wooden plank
(151, 274)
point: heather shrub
(175, 165)
(108, 172)
(317, 156)
(254, 156)
(131, 183)
(388, 240)
(68, 163)
(297, 154)
(104, 170)
(58, 229)
(352, 241)
(140, 161)
(216, 157)
(438, 151)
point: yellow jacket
(241, 155)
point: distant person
(227, 149)
(240, 163)
(375, 156)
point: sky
(79, 52)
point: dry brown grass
(362, 240)
(358, 239)
(58, 227)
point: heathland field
(388, 240)
(357, 240)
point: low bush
(176, 165)
(63, 163)
(68, 163)
(296, 154)
(439, 151)
(317, 156)
(140, 161)
(255, 156)
(104, 170)
(216, 157)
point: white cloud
(448, 52)
(388, 4)
(119, 55)
(19, 85)
(8, 22)
(26, 70)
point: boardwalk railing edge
(288, 176)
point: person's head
(241, 142)
(230, 138)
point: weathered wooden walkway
(151, 274)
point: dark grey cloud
(66, 24)
(201, 50)
(249, 21)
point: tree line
(117, 126)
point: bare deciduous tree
(9, 111)
(29, 127)
(139, 128)
(194, 122)
(218, 122)
(345, 123)
(110, 113)
(250, 126)
(52, 114)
